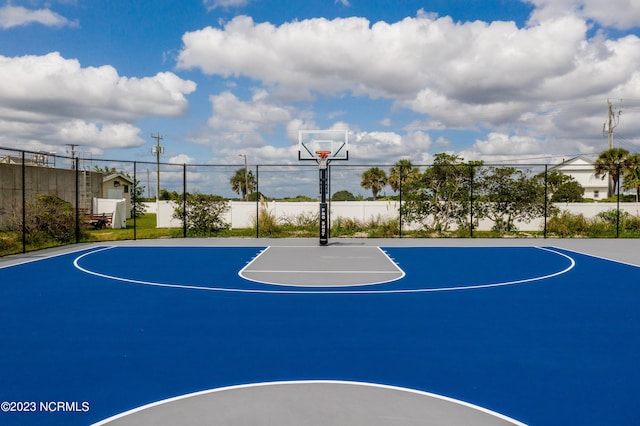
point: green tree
(374, 179)
(568, 192)
(106, 170)
(343, 195)
(204, 214)
(631, 176)
(138, 207)
(402, 173)
(165, 195)
(612, 163)
(507, 194)
(563, 188)
(440, 195)
(243, 182)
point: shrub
(611, 216)
(49, 217)
(303, 220)
(566, 224)
(382, 228)
(204, 214)
(345, 226)
(267, 223)
(632, 223)
(8, 243)
(343, 196)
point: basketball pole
(323, 146)
(324, 211)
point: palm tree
(631, 176)
(243, 182)
(400, 174)
(613, 163)
(374, 179)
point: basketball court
(358, 332)
(311, 332)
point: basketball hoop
(322, 158)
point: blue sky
(495, 80)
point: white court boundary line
(398, 269)
(311, 382)
(9, 261)
(597, 257)
(76, 263)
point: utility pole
(612, 122)
(73, 154)
(157, 149)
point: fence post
(618, 201)
(546, 196)
(400, 201)
(184, 200)
(471, 176)
(24, 206)
(135, 200)
(76, 161)
(257, 202)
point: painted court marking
(329, 290)
(263, 403)
(322, 267)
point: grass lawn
(145, 229)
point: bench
(97, 220)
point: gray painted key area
(322, 266)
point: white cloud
(244, 122)
(56, 101)
(50, 136)
(498, 144)
(51, 85)
(15, 16)
(520, 149)
(429, 65)
(474, 62)
(621, 14)
(181, 159)
(547, 81)
(118, 135)
(368, 146)
(225, 4)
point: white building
(583, 171)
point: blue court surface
(537, 335)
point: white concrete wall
(243, 214)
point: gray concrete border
(619, 250)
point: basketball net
(322, 158)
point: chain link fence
(48, 199)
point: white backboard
(310, 142)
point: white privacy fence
(243, 214)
